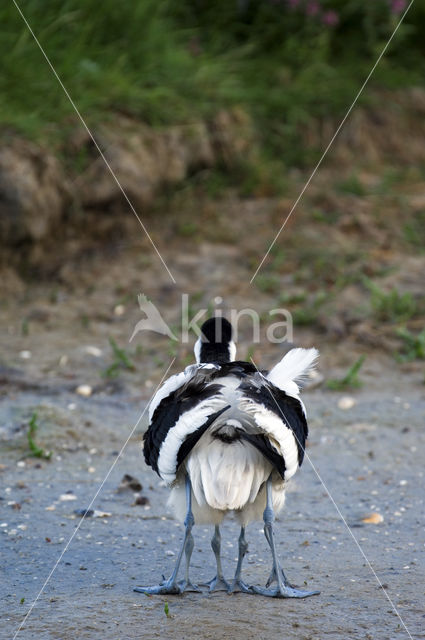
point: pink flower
(312, 8)
(397, 6)
(330, 18)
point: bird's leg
(218, 583)
(238, 584)
(171, 586)
(283, 589)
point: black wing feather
(288, 409)
(169, 411)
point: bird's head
(215, 343)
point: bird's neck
(214, 352)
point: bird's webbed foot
(283, 591)
(169, 587)
(218, 583)
(238, 585)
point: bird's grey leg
(283, 588)
(218, 583)
(238, 584)
(171, 586)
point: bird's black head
(215, 344)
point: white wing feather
(294, 366)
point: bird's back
(229, 428)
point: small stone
(346, 403)
(93, 351)
(63, 361)
(67, 497)
(72, 406)
(119, 310)
(25, 355)
(141, 501)
(129, 482)
(373, 518)
(84, 390)
(84, 513)
(50, 508)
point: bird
(227, 437)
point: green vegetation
(33, 427)
(308, 313)
(168, 63)
(350, 380)
(167, 610)
(414, 231)
(413, 345)
(121, 361)
(351, 185)
(392, 306)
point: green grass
(350, 380)
(392, 306)
(351, 185)
(121, 361)
(35, 450)
(169, 63)
(413, 345)
(309, 312)
(414, 231)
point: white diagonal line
(331, 141)
(339, 513)
(91, 504)
(102, 155)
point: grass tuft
(33, 427)
(121, 361)
(350, 380)
(413, 345)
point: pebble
(21, 464)
(72, 406)
(141, 500)
(119, 310)
(63, 361)
(169, 552)
(25, 355)
(129, 482)
(373, 518)
(93, 351)
(346, 403)
(66, 497)
(84, 390)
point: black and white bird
(227, 438)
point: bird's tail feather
(294, 366)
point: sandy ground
(369, 458)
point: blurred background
(212, 117)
